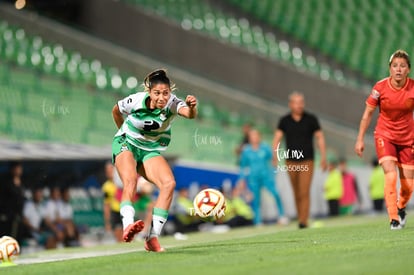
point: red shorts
(402, 154)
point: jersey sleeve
(373, 98)
(282, 124)
(129, 104)
(176, 104)
(316, 126)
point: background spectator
(51, 216)
(238, 212)
(33, 218)
(66, 218)
(333, 188)
(256, 168)
(185, 218)
(299, 128)
(12, 202)
(376, 186)
(112, 218)
(350, 196)
(245, 140)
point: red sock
(390, 194)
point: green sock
(159, 217)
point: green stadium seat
(10, 96)
(207, 111)
(4, 74)
(28, 127)
(334, 26)
(24, 79)
(52, 94)
(37, 103)
(5, 118)
(202, 16)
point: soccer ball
(9, 247)
(210, 203)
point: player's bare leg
(126, 167)
(157, 171)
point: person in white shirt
(33, 218)
(65, 213)
(51, 215)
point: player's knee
(168, 185)
(130, 184)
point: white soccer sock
(127, 213)
(159, 217)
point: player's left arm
(190, 110)
(320, 140)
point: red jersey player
(394, 134)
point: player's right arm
(363, 126)
(124, 107)
(118, 117)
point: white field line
(62, 255)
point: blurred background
(64, 64)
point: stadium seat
(333, 27)
(205, 17)
(28, 127)
(68, 98)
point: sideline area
(105, 248)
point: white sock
(127, 213)
(159, 217)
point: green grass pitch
(346, 245)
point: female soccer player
(394, 134)
(144, 122)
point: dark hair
(400, 54)
(14, 164)
(157, 77)
(36, 187)
(342, 160)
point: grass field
(347, 245)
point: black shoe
(395, 225)
(402, 214)
(302, 226)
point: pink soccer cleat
(132, 230)
(153, 245)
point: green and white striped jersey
(147, 129)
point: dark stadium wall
(157, 37)
(61, 173)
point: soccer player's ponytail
(157, 77)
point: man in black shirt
(299, 127)
(11, 202)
